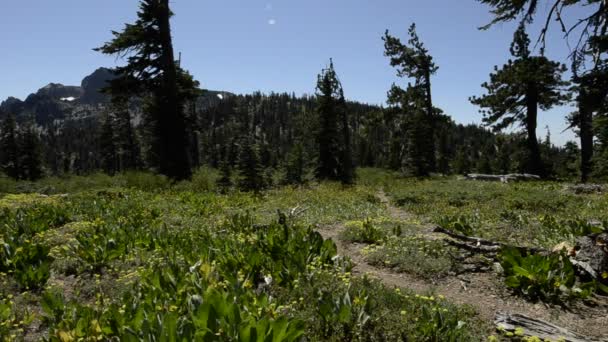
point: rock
(92, 85)
(57, 91)
(11, 105)
(564, 246)
(593, 251)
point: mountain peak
(92, 85)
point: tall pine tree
(412, 60)
(590, 49)
(152, 71)
(335, 151)
(517, 90)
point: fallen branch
(502, 178)
(475, 243)
(535, 327)
(493, 250)
(476, 240)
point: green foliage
(333, 138)
(203, 179)
(545, 277)
(537, 214)
(168, 264)
(518, 89)
(9, 155)
(30, 162)
(29, 262)
(363, 232)
(251, 173)
(459, 224)
(295, 167)
(152, 73)
(417, 116)
(20, 150)
(412, 254)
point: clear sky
(271, 45)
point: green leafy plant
(459, 223)
(363, 232)
(542, 277)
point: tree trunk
(431, 118)
(171, 126)
(586, 134)
(534, 161)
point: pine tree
(127, 145)
(225, 181)
(590, 49)
(461, 163)
(517, 90)
(107, 145)
(30, 161)
(251, 173)
(295, 168)
(347, 169)
(413, 60)
(595, 30)
(152, 71)
(330, 98)
(9, 149)
(592, 92)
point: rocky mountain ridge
(55, 102)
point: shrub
(203, 179)
(542, 277)
(362, 232)
(145, 181)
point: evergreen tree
(295, 168)
(9, 149)
(518, 89)
(330, 96)
(30, 157)
(107, 149)
(347, 168)
(225, 181)
(568, 163)
(590, 49)
(461, 163)
(152, 71)
(251, 173)
(595, 26)
(413, 60)
(592, 90)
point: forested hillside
(72, 123)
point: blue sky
(271, 45)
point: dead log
(472, 239)
(481, 249)
(512, 177)
(591, 259)
(536, 327)
(482, 177)
(475, 242)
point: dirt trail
(483, 291)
